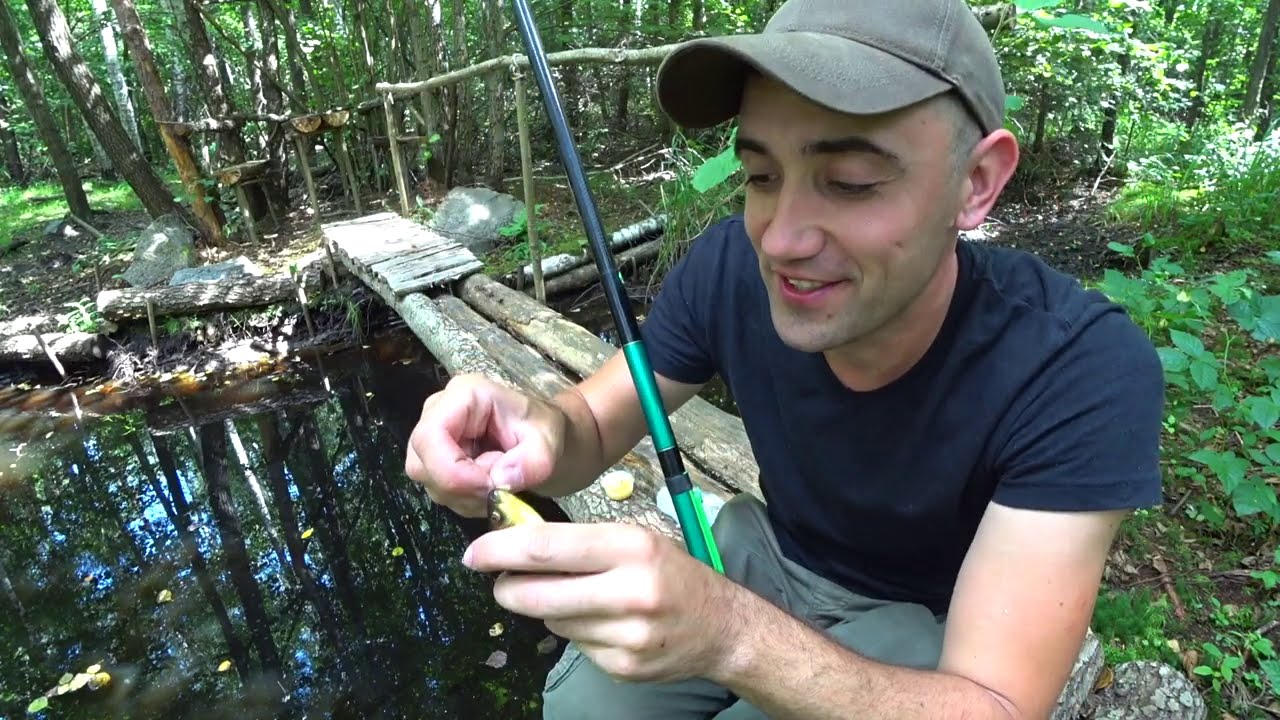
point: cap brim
(699, 84)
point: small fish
(506, 510)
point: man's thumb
(508, 473)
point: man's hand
(476, 434)
(634, 602)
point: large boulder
(473, 216)
(166, 246)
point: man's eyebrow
(833, 146)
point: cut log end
(307, 124)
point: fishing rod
(686, 497)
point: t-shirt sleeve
(676, 333)
(1087, 434)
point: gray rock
(166, 246)
(213, 273)
(1148, 690)
(473, 215)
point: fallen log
(588, 274)
(460, 352)
(715, 439)
(625, 237)
(198, 298)
(68, 348)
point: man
(948, 433)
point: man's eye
(758, 179)
(853, 188)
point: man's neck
(889, 352)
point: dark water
(348, 599)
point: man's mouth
(804, 285)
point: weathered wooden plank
(423, 268)
(425, 255)
(460, 268)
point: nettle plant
(1216, 337)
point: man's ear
(992, 162)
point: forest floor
(1196, 595)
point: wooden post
(344, 159)
(245, 213)
(397, 163)
(306, 173)
(526, 171)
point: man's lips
(805, 290)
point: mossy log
(76, 347)
(197, 298)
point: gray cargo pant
(892, 632)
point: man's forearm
(788, 669)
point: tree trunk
(273, 454)
(251, 478)
(213, 447)
(71, 69)
(12, 153)
(32, 92)
(231, 150)
(716, 439)
(495, 84)
(124, 105)
(208, 215)
(1268, 96)
(1261, 56)
(183, 524)
(1208, 46)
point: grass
(27, 210)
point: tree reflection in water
(266, 558)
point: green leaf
(1254, 496)
(1173, 359)
(1205, 374)
(1029, 5)
(1273, 256)
(1268, 320)
(1272, 670)
(1273, 452)
(1013, 103)
(38, 704)
(1126, 250)
(1190, 344)
(1263, 411)
(1203, 670)
(1075, 22)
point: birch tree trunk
(32, 92)
(71, 69)
(124, 105)
(251, 478)
(209, 219)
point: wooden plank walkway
(396, 256)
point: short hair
(965, 131)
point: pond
(246, 547)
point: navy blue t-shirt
(1036, 394)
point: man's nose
(792, 230)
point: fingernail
(466, 557)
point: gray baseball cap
(853, 56)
